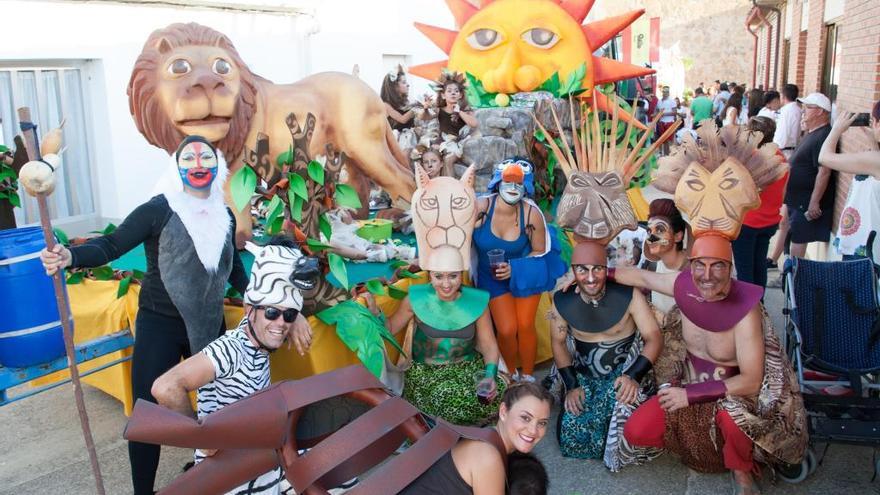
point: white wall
(110, 37)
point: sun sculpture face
(516, 45)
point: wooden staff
(30, 138)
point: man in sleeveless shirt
(616, 340)
(732, 391)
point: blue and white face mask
(511, 192)
(197, 165)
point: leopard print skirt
(448, 391)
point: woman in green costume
(454, 351)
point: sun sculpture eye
(222, 67)
(540, 38)
(179, 67)
(484, 39)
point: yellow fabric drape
(97, 312)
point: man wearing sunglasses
(236, 365)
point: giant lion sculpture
(189, 79)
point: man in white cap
(236, 365)
(809, 195)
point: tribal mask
(716, 202)
(443, 214)
(595, 206)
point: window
(51, 93)
(831, 64)
(805, 15)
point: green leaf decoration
(574, 81)
(337, 268)
(61, 236)
(242, 185)
(285, 158)
(7, 172)
(137, 274)
(396, 293)
(360, 331)
(103, 272)
(232, 293)
(552, 84)
(347, 196)
(316, 172)
(408, 274)
(109, 229)
(298, 185)
(123, 287)
(296, 208)
(316, 245)
(274, 210)
(398, 264)
(276, 226)
(324, 226)
(375, 287)
(75, 278)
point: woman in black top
(474, 467)
(188, 236)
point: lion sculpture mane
(190, 79)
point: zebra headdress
(277, 276)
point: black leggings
(160, 343)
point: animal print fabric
(448, 391)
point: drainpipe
(765, 22)
(755, 51)
(779, 35)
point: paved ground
(42, 453)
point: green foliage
(75, 278)
(396, 293)
(316, 245)
(297, 185)
(316, 172)
(571, 87)
(124, 284)
(232, 293)
(376, 288)
(324, 226)
(109, 229)
(8, 181)
(476, 94)
(337, 268)
(242, 185)
(104, 272)
(362, 332)
(285, 158)
(274, 212)
(347, 196)
(61, 236)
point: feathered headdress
(599, 167)
(716, 180)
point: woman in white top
(732, 110)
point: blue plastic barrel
(30, 327)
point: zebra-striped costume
(240, 369)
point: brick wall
(859, 75)
(815, 54)
(798, 53)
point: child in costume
(516, 226)
(401, 113)
(734, 400)
(187, 233)
(454, 351)
(452, 114)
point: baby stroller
(832, 335)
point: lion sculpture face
(595, 206)
(443, 214)
(189, 79)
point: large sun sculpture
(516, 45)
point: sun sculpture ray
(516, 45)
